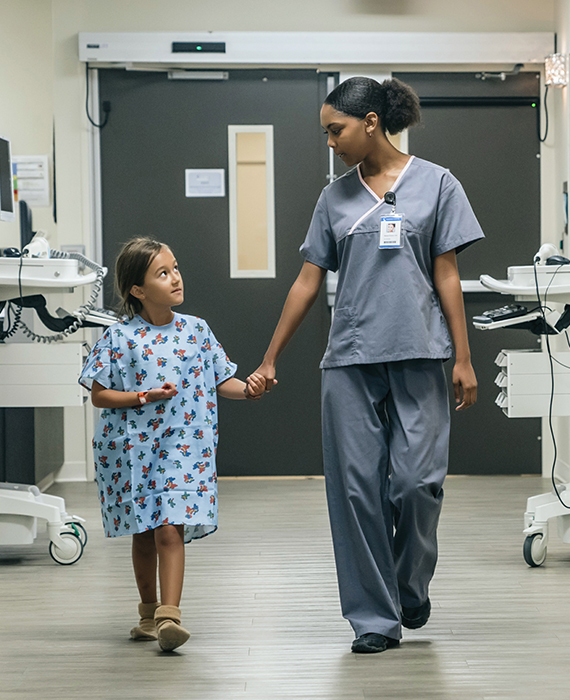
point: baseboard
(46, 482)
(71, 471)
(562, 470)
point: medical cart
(525, 377)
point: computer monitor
(6, 182)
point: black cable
(5, 322)
(8, 321)
(106, 105)
(80, 313)
(11, 327)
(11, 324)
(551, 281)
(560, 363)
(54, 323)
(20, 277)
(550, 358)
(549, 309)
(542, 140)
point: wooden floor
(261, 602)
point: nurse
(392, 227)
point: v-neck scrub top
(386, 306)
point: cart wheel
(534, 551)
(65, 556)
(79, 531)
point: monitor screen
(6, 182)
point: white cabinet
(526, 385)
(37, 375)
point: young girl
(392, 227)
(157, 374)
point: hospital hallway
(261, 602)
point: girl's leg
(144, 565)
(169, 541)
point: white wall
(317, 15)
(26, 85)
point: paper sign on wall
(32, 173)
(205, 182)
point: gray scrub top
(386, 306)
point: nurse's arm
(448, 287)
(301, 297)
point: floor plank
(262, 604)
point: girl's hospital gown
(155, 464)
(385, 402)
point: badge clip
(391, 226)
(390, 198)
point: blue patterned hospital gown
(156, 464)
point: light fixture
(556, 69)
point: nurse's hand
(255, 387)
(464, 385)
(267, 371)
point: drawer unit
(37, 375)
(525, 383)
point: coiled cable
(81, 313)
(12, 326)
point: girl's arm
(301, 297)
(109, 398)
(448, 287)
(236, 389)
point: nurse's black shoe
(414, 618)
(373, 643)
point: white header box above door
(317, 48)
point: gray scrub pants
(385, 444)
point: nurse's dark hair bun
(395, 103)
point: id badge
(391, 231)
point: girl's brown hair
(134, 260)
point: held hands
(255, 387)
(267, 371)
(166, 391)
(464, 385)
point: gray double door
(485, 132)
(157, 129)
